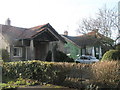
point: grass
(24, 83)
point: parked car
(86, 59)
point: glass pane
(16, 51)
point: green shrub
(59, 57)
(5, 55)
(49, 56)
(102, 74)
(37, 70)
(19, 82)
(111, 55)
(62, 57)
(118, 47)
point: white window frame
(19, 52)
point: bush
(5, 55)
(62, 57)
(37, 70)
(49, 56)
(58, 57)
(102, 74)
(118, 47)
(111, 55)
(106, 74)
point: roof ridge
(38, 26)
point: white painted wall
(3, 42)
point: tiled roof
(28, 33)
(37, 27)
(21, 33)
(90, 39)
(12, 32)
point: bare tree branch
(106, 22)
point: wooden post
(11, 52)
(100, 52)
(93, 51)
(54, 49)
(52, 56)
(53, 53)
(32, 49)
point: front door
(41, 51)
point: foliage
(106, 74)
(49, 56)
(4, 86)
(58, 57)
(102, 74)
(118, 47)
(5, 55)
(37, 70)
(97, 75)
(111, 55)
(62, 57)
(19, 82)
(92, 87)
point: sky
(61, 14)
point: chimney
(8, 22)
(66, 33)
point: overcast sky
(61, 14)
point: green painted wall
(72, 50)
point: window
(89, 50)
(81, 57)
(17, 52)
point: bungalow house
(29, 43)
(92, 43)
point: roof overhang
(45, 35)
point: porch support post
(11, 52)
(53, 53)
(54, 49)
(93, 51)
(100, 52)
(52, 56)
(32, 54)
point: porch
(34, 48)
(95, 51)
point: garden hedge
(37, 70)
(111, 55)
(67, 74)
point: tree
(106, 22)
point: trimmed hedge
(103, 74)
(43, 71)
(111, 55)
(106, 73)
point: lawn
(21, 83)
